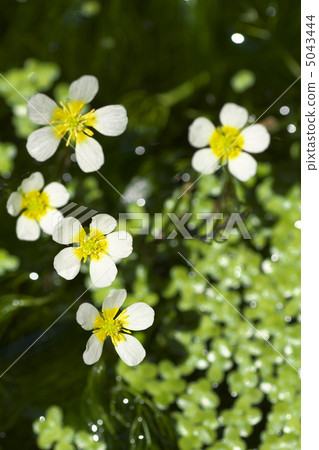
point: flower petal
(204, 161)
(93, 351)
(58, 195)
(120, 244)
(140, 316)
(233, 115)
(200, 131)
(42, 143)
(131, 351)
(84, 88)
(114, 299)
(14, 204)
(256, 138)
(111, 120)
(27, 229)
(86, 316)
(65, 231)
(89, 155)
(50, 220)
(34, 182)
(67, 264)
(243, 167)
(41, 108)
(103, 222)
(102, 271)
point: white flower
(228, 143)
(38, 206)
(109, 120)
(102, 248)
(138, 316)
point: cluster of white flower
(37, 205)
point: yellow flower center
(69, 119)
(226, 142)
(93, 245)
(35, 205)
(107, 325)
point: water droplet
(265, 387)
(284, 110)
(33, 276)
(237, 38)
(288, 350)
(271, 11)
(291, 128)
(140, 150)
(202, 364)
(140, 202)
(186, 177)
(266, 266)
(66, 177)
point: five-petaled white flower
(102, 248)
(227, 143)
(38, 206)
(138, 316)
(109, 120)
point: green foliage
(210, 380)
(7, 262)
(7, 154)
(18, 85)
(242, 80)
(52, 434)
(225, 357)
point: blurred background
(207, 381)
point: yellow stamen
(107, 325)
(226, 143)
(35, 204)
(93, 245)
(69, 119)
